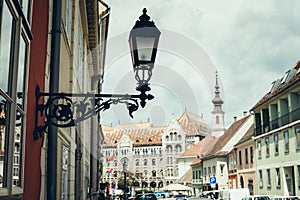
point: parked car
(257, 197)
(146, 196)
(180, 197)
(285, 198)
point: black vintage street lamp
(60, 110)
(125, 171)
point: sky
(249, 43)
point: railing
(278, 122)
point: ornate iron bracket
(67, 109)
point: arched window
(153, 161)
(178, 148)
(137, 162)
(169, 149)
(153, 173)
(115, 163)
(167, 138)
(175, 136)
(179, 137)
(145, 173)
(145, 162)
(217, 119)
(171, 136)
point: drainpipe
(78, 157)
(94, 129)
(54, 87)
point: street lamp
(124, 171)
(60, 110)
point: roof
(247, 136)
(193, 124)
(201, 148)
(225, 138)
(139, 133)
(280, 88)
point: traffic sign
(212, 180)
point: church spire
(217, 101)
(217, 124)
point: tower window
(217, 120)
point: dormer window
(137, 140)
(149, 140)
(116, 141)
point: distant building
(277, 136)
(215, 163)
(151, 151)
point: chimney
(245, 113)
(235, 119)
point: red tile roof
(140, 134)
(193, 124)
(201, 148)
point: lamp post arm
(73, 108)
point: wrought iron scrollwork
(67, 109)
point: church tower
(217, 123)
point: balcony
(278, 122)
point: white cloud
(250, 43)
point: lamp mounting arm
(67, 109)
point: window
(209, 171)
(222, 169)
(276, 144)
(145, 162)
(251, 154)
(268, 178)
(286, 141)
(169, 149)
(277, 177)
(115, 163)
(137, 162)
(179, 137)
(178, 149)
(297, 132)
(213, 170)
(204, 171)
(246, 156)
(267, 146)
(14, 44)
(260, 178)
(68, 19)
(298, 167)
(259, 148)
(64, 172)
(240, 158)
(217, 120)
(153, 162)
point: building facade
(277, 137)
(83, 25)
(215, 163)
(151, 151)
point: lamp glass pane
(145, 47)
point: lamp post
(124, 171)
(60, 111)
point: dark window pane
(5, 43)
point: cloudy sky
(249, 43)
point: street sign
(212, 180)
